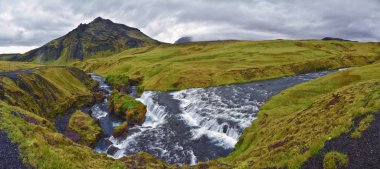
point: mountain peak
(100, 19)
(99, 38)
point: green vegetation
(127, 108)
(204, 64)
(119, 82)
(87, 128)
(293, 125)
(335, 160)
(364, 124)
(117, 79)
(11, 66)
(41, 146)
(48, 91)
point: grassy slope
(203, 64)
(293, 125)
(49, 91)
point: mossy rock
(120, 131)
(335, 160)
(127, 108)
(119, 82)
(86, 127)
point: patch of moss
(364, 124)
(335, 160)
(87, 128)
(127, 108)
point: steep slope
(46, 91)
(204, 64)
(100, 38)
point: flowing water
(191, 125)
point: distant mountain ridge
(99, 38)
(185, 39)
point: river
(191, 125)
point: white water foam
(97, 112)
(212, 115)
(155, 113)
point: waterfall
(216, 115)
(155, 113)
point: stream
(191, 125)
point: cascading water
(191, 125)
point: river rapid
(191, 125)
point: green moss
(294, 125)
(364, 124)
(204, 64)
(128, 108)
(335, 160)
(87, 127)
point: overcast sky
(30, 23)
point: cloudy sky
(30, 23)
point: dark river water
(192, 125)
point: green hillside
(100, 38)
(293, 125)
(203, 64)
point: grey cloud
(35, 22)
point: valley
(106, 95)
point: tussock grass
(335, 160)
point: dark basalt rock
(9, 154)
(363, 152)
(112, 150)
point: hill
(204, 64)
(99, 38)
